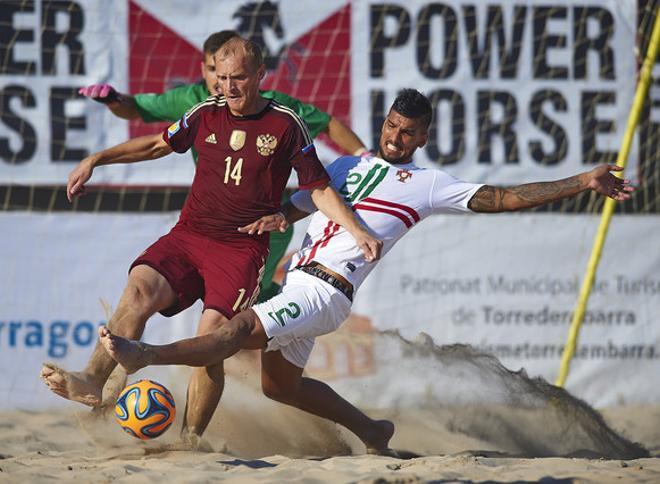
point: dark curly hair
(414, 105)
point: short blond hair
(247, 49)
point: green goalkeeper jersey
(173, 104)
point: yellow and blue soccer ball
(145, 409)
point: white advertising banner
(505, 284)
(522, 90)
(50, 50)
(58, 273)
(136, 46)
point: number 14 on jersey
(233, 172)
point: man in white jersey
(390, 195)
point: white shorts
(306, 308)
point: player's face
(400, 137)
(208, 73)
(239, 82)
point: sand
(512, 428)
(279, 444)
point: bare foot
(191, 441)
(75, 386)
(129, 354)
(378, 441)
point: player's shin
(210, 348)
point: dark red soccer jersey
(243, 166)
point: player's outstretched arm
(121, 105)
(490, 199)
(344, 137)
(138, 149)
(330, 203)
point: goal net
(520, 86)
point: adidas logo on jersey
(211, 139)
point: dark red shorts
(225, 276)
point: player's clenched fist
(103, 93)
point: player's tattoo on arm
(494, 199)
(487, 199)
(533, 194)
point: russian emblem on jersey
(403, 175)
(173, 129)
(237, 139)
(266, 144)
(211, 139)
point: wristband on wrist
(112, 97)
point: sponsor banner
(518, 90)
(58, 273)
(144, 46)
(50, 50)
(509, 107)
(504, 284)
(507, 285)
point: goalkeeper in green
(172, 105)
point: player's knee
(243, 324)
(138, 296)
(245, 331)
(232, 333)
(274, 393)
(279, 393)
(144, 295)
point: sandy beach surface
(273, 443)
(506, 427)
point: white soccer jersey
(389, 199)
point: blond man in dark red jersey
(247, 147)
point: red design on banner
(159, 59)
(349, 352)
(315, 68)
